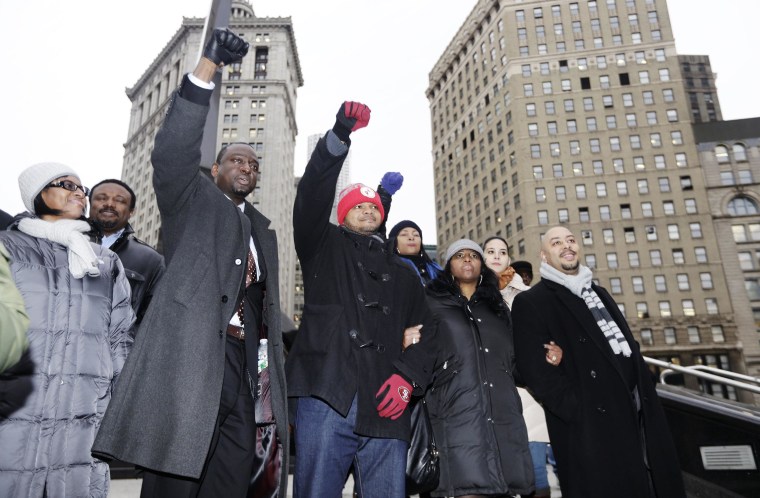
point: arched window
(742, 206)
(721, 153)
(740, 152)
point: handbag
(422, 467)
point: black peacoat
(477, 415)
(358, 299)
(590, 412)
(164, 409)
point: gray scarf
(68, 233)
(580, 285)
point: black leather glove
(351, 116)
(225, 47)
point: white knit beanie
(33, 179)
(460, 244)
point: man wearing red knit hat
(347, 371)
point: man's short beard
(570, 267)
(362, 229)
(106, 225)
(241, 192)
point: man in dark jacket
(112, 203)
(347, 367)
(605, 421)
(191, 406)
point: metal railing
(726, 377)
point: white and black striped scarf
(580, 285)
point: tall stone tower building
(575, 113)
(257, 105)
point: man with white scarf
(606, 424)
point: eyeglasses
(70, 186)
(473, 256)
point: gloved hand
(225, 47)
(351, 116)
(398, 392)
(392, 181)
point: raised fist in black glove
(351, 116)
(225, 47)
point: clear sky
(68, 62)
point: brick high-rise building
(576, 113)
(257, 105)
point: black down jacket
(477, 415)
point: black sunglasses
(70, 186)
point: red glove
(398, 392)
(351, 116)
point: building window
(660, 285)
(717, 333)
(646, 210)
(670, 335)
(616, 286)
(740, 152)
(601, 189)
(742, 206)
(646, 337)
(633, 259)
(655, 256)
(693, 333)
(638, 284)
(590, 258)
(540, 194)
(643, 186)
(683, 281)
(543, 217)
(651, 232)
(696, 230)
(665, 309)
(706, 280)
(673, 232)
(642, 310)
(580, 191)
(612, 261)
(711, 305)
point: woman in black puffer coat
(476, 414)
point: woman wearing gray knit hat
(78, 301)
(475, 413)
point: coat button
(221, 333)
(583, 339)
(224, 299)
(593, 374)
(486, 350)
(238, 261)
(601, 409)
(480, 320)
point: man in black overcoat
(348, 368)
(606, 424)
(191, 406)
(112, 204)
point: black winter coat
(590, 412)
(355, 292)
(143, 266)
(477, 415)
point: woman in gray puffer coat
(78, 301)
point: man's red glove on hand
(398, 392)
(351, 116)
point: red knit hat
(354, 194)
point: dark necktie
(250, 277)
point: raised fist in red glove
(398, 392)
(351, 116)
